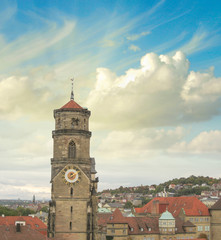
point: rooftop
(72, 104)
(166, 216)
(191, 206)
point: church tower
(73, 205)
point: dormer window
(22, 223)
(141, 229)
(149, 229)
(132, 229)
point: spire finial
(72, 86)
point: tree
(128, 204)
(44, 209)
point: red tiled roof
(26, 232)
(149, 225)
(72, 104)
(103, 218)
(191, 205)
(117, 217)
(34, 222)
(138, 210)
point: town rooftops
(139, 225)
(191, 206)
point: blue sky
(148, 70)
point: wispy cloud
(32, 45)
(134, 48)
(200, 41)
(137, 36)
(7, 13)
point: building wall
(215, 224)
(202, 224)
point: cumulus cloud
(30, 95)
(159, 93)
(201, 87)
(205, 142)
(146, 141)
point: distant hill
(188, 186)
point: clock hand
(76, 173)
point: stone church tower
(73, 205)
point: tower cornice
(81, 110)
(71, 132)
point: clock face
(71, 175)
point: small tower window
(71, 209)
(71, 192)
(71, 150)
(70, 225)
(84, 124)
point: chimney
(155, 207)
(18, 227)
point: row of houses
(163, 219)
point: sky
(149, 72)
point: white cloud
(21, 95)
(15, 183)
(134, 48)
(156, 94)
(137, 36)
(32, 44)
(201, 40)
(24, 192)
(205, 142)
(127, 144)
(201, 87)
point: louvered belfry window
(72, 150)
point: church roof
(72, 104)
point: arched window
(71, 150)
(71, 192)
(70, 225)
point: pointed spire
(72, 92)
